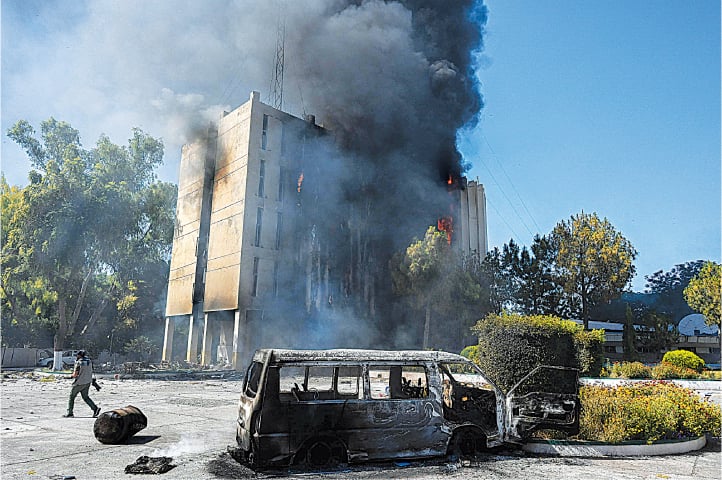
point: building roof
(608, 326)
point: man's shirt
(84, 371)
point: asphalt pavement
(192, 421)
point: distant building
(694, 335)
(260, 243)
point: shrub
(646, 411)
(471, 352)
(511, 346)
(630, 370)
(589, 346)
(667, 371)
(684, 359)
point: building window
(279, 226)
(275, 279)
(282, 178)
(262, 178)
(254, 288)
(259, 223)
(264, 135)
(283, 139)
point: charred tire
(324, 452)
(467, 442)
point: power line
(507, 198)
(504, 220)
(501, 166)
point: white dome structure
(693, 325)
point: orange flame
(450, 180)
(446, 224)
(300, 182)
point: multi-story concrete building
(261, 237)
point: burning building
(278, 239)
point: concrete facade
(252, 233)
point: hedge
(511, 346)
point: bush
(589, 346)
(511, 346)
(630, 370)
(471, 352)
(647, 411)
(667, 371)
(684, 359)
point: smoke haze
(393, 81)
(384, 75)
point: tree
(629, 338)
(669, 288)
(93, 222)
(703, 292)
(594, 261)
(434, 279)
(23, 322)
(657, 332)
(141, 348)
(420, 271)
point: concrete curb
(566, 448)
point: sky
(608, 107)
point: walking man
(83, 375)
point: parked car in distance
(68, 359)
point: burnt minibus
(324, 407)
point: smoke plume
(392, 80)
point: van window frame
(381, 365)
(247, 391)
(306, 393)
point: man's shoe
(68, 415)
(96, 412)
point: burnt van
(325, 407)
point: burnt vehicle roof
(347, 355)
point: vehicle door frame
(251, 406)
(511, 434)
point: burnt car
(324, 407)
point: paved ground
(193, 422)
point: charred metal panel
(192, 218)
(548, 397)
(223, 273)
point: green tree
(434, 279)
(93, 223)
(657, 332)
(703, 292)
(495, 282)
(533, 282)
(594, 261)
(140, 348)
(25, 303)
(669, 288)
(629, 338)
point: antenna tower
(277, 78)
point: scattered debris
(154, 465)
(228, 466)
